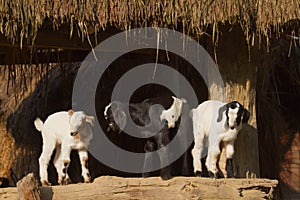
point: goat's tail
(38, 123)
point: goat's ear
(246, 116)
(119, 116)
(70, 112)
(90, 119)
(220, 112)
(183, 100)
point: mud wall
(250, 81)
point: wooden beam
(17, 56)
(60, 40)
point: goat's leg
(83, 156)
(163, 153)
(165, 171)
(229, 154)
(44, 159)
(197, 153)
(65, 153)
(149, 147)
(183, 147)
(58, 163)
(212, 159)
(185, 161)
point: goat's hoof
(65, 181)
(229, 176)
(166, 177)
(213, 175)
(59, 181)
(146, 175)
(198, 173)
(87, 180)
(45, 183)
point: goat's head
(235, 114)
(115, 116)
(173, 113)
(78, 120)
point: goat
(142, 115)
(64, 131)
(215, 122)
(173, 113)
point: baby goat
(215, 122)
(142, 115)
(64, 131)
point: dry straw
(260, 20)
(21, 19)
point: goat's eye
(173, 116)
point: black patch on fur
(239, 115)
(242, 115)
(246, 116)
(212, 175)
(220, 112)
(233, 104)
(165, 173)
(198, 173)
(150, 146)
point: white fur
(173, 113)
(106, 109)
(56, 133)
(208, 134)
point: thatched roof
(21, 19)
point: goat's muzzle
(232, 127)
(74, 133)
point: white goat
(173, 113)
(215, 122)
(64, 131)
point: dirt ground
(111, 187)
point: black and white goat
(215, 122)
(142, 115)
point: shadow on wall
(246, 153)
(48, 97)
(278, 117)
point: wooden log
(110, 187)
(28, 188)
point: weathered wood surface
(28, 188)
(110, 187)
